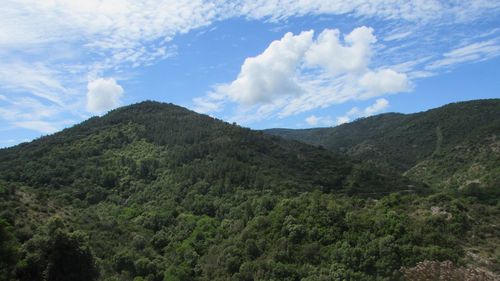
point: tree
(56, 255)
(446, 271)
(70, 258)
(7, 251)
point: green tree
(70, 258)
(56, 255)
(7, 251)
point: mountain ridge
(411, 143)
(155, 192)
(169, 125)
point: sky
(261, 64)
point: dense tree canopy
(455, 146)
(156, 192)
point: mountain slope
(156, 192)
(150, 139)
(456, 145)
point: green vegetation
(156, 192)
(54, 254)
(456, 146)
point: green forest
(452, 147)
(153, 191)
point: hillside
(154, 191)
(149, 140)
(455, 146)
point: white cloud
(103, 95)
(50, 49)
(29, 113)
(270, 74)
(354, 112)
(342, 120)
(397, 36)
(329, 53)
(414, 11)
(27, 109)
(37, 125)
(379, 106)
(312, 120)
(104, 25)
(206, 104)
(36, 79)
(299, 73)
(473, 52)
(385, 81)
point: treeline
(454, 146)
(249, 235)
(156, 192)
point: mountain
(455, 146)
(149, 140)
(153, 191)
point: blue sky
(261, 64)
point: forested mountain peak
(153, 191)
(176, 139)
(451, 146)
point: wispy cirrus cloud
(414, 11)
(477, 51)
(36, 79)
(337, 69)
(378, 106)
(30, 113)
(317, 121)
(51, 50)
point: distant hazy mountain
(457, 145)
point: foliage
(455, 146)
(7, 251)
(156, 192)
(446, 271)
(54, 255)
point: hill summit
(147, 140)
(455, 146)
(154, 191)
